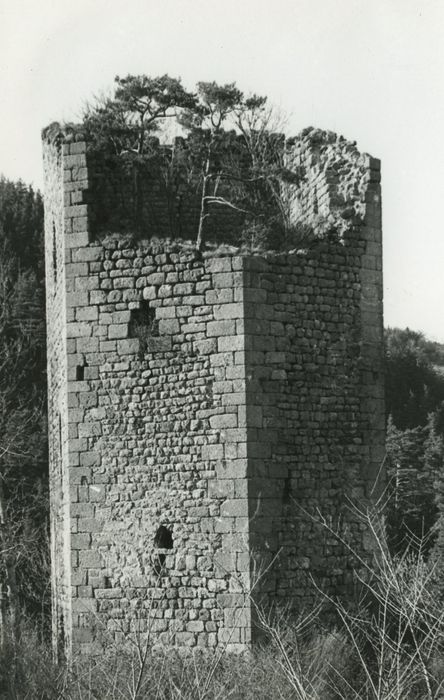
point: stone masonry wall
(207, 407)
(306, 420)
(152, 197)
(152, 451)
(315, 379)
(55, 201)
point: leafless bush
(389, 646)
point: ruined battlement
(327, 185)
(203, 406)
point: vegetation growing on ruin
(231, 161)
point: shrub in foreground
(389, 646)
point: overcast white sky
(372, 71)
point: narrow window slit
(61, 642)
(163, 539)
(287, 491)
(54, 253)
(80, 371)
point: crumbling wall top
(325, 187)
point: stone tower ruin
(204, 408)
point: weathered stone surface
(202, 407)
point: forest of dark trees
(24, 507)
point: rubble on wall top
(70, 131)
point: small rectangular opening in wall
(54, 254)
(143, 324)
(61, 641)
(59, 424)
(287, 492)
(80, 370)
